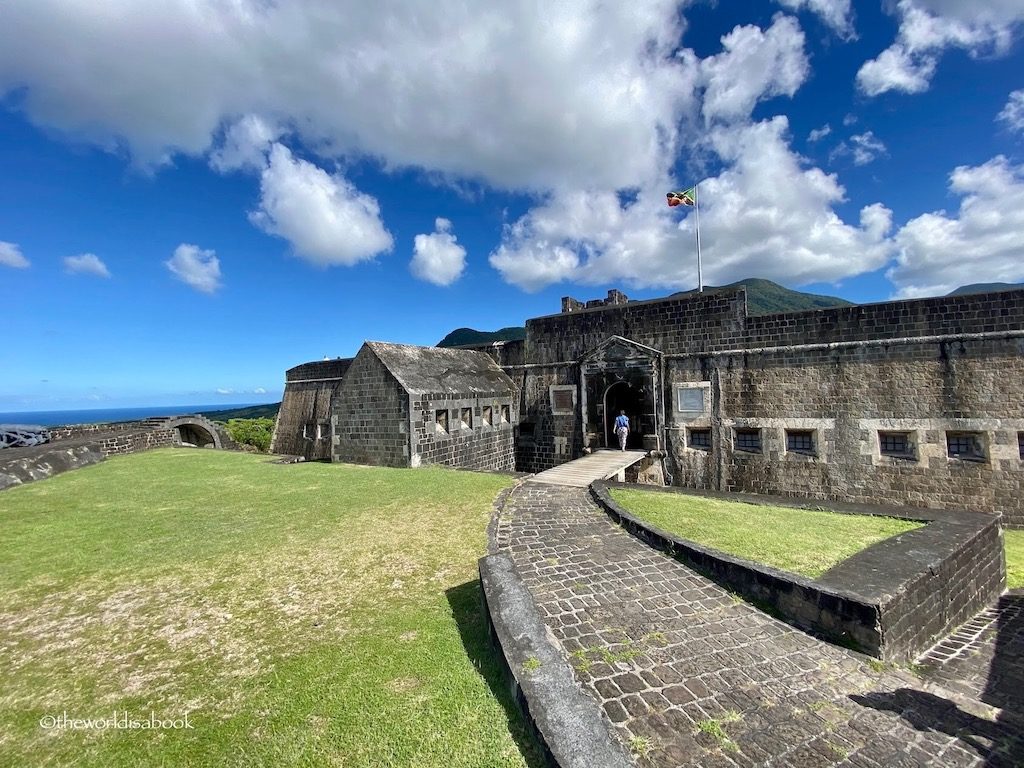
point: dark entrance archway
(193, 434)
(623, 396)
(620, 374)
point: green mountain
(767, 298)
(268, 411)
(986, 288)
(461, 336)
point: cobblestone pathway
(692, 676)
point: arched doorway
(195, 435)
(623, 396)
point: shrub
(254, 432)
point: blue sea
(102, 415)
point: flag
(687, 197)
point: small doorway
(623, 396)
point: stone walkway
(692, 676)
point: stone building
(400, 406)
(916, 402)
(303, 426)
(912, 402)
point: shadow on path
(466, 601)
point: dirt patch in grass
(802, 541)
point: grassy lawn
(1014, 542)
(808, 542)
(310, 614)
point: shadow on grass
(466, 601)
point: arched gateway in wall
(620, 374)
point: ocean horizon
(104, 415)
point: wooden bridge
(599, 465)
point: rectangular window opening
(965, 445)
(504, 414)
(897, 444)
(801, 441)
(748, 440)
(441, 420)
(485, 416)
(309, 431)
(699, 439)
(1020, 444)
(323, 430)
(467, 418)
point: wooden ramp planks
(580, 473)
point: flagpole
(696, 209)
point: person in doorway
(622, 428)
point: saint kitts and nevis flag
(686, 197)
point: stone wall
(923, 367)
(74, 431)
(844, 397)
(303, 421)
(133, 442)
(370, 416)
(478, 446)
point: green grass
(807, 542)
(1014, 542)
(309, 614)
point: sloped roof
(441, 370)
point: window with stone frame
(467, 418)
(441, 420)
(899, 445)
(323, 430)
(748, 440)
(486, 417)
(968, 446)
(505, 414)
(309, 430)
(801, 441)
(699, 438)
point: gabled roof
(441, 370)
(619, 346)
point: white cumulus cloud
(836, 13)
(927, 28)
(862, 147)
(259, 391)
(11, 256)
(437, 257)
(245, 145)
(765, 215)
(326, 219)
(754, 64)
(86, 264)
(448, 86)
(195, 267)
(1013, 113)
(819, 133)
(982, 242)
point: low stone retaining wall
(91, 430)
(893, 600)
(45, 461)
(133, 442)
(566, 722)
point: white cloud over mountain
(939, 251)
(86, 264)
(437, 257)
(927, 28)
(195, 267)
(766, 214)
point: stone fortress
(916, 402)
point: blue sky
(195, 198)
